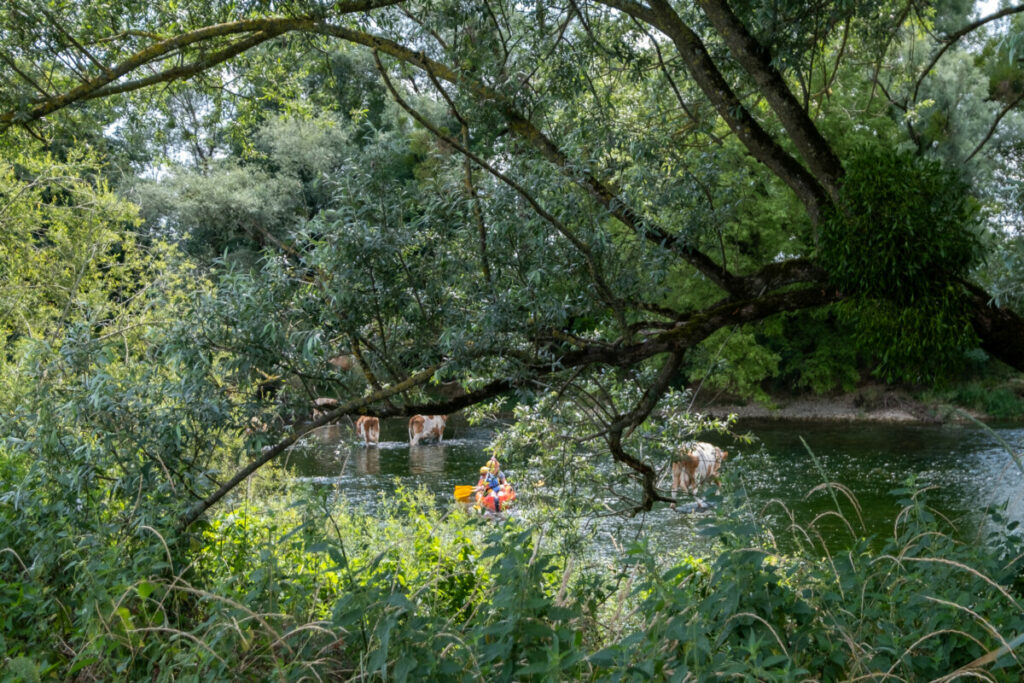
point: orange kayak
(506, 494)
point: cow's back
(426, 427)
(706, 459)
(368, 428)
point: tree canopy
(588, 200)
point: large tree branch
(184, 71)
(712, 83)
(158, 51)
(695, 329)
(519, 124)
(756, 61)
(162, 49)
(1000, 329)
(271, 452)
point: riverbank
(871, 403)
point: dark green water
(965, 467)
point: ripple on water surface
(967, 467)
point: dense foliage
(587, 216)
(903, 236)
(904, 228)
(316, 588)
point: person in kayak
(490, 481)
(495, 468)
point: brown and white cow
(696, 463)
(368, 429)
(423, 427)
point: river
(965, 467)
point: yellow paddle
(463, 493)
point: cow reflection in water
(360, 458)
(329, 433)
(365, 459)
(425, 458)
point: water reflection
(328, 434)
(424, 458)
(966, 467)
(366, 459)
(366, 476)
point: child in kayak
(494, 467)
(488, 480)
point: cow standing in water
(368, 429)
(696, 463)
(425, 427)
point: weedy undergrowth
(308, 587)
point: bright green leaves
(731, 359)
(901, 239)
(66, 252)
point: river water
(966, 468)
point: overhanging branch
(271, 452)
(635, 417)
(709, 79)
(162, 49)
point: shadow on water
(965, 467)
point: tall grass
(305, 587)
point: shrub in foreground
(414, 591)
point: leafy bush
(733, 360)
(815, 351)
(919, 608)
(904, 224)
(304, 586)
(904, 235)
